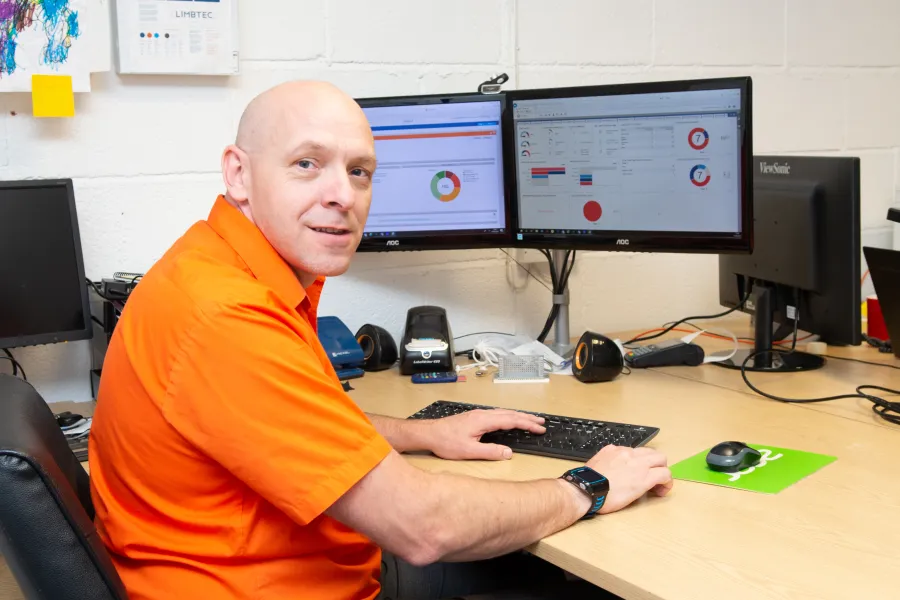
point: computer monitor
(43, 295)
(661, 166)
(440, 181)
(658, 166)
(806, 258)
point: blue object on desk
(344, 352)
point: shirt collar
(258, 254)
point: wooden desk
(837, 377)
(830, 536)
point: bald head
(264, 119)
(301, 170)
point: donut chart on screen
(698, 138)
(593, 211)
(700, 175)
(445, 186)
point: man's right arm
(427, 517)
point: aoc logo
(774, 169)
(622, 242)
(763, 461)
(393, 242)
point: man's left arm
(456, 437)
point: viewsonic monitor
(806, 259)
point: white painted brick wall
(574, 32)
(843, 33)
(827, 80)
(413, 31)
(719, 32)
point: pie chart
(700, 175)
(698, 138)
(445, 186)
(593, 211)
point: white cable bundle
(487, 352)
(484, 355)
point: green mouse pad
(778, 468)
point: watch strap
(594, 485)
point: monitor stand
(770, 362)
(562, 344)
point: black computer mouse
(67, 419)
(730, 457)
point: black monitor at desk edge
(805, 262)
(43, 296)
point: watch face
(590, 476)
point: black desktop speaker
(596, 358)
(379, 348)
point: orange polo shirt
(222, 434)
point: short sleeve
(249, 391)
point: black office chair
(47, 534)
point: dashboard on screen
(440, 179)
(655, 166)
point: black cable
(882, 407)
(17, 366)
(796, 317)
(553, 275)
(459, 337)
(865, 362)
(548, 324)
(565, 281)
(100, 291)
(884, 346)
(560, 282)
(887, 410)
(686, 319)
(533, 276)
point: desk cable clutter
(514, 360)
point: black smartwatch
(592, 483)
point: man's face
(310, 187)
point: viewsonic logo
(774, 169)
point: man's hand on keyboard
(457, 437)
(631, 472)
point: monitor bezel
(71, 335)
(641, 241)
(443, 240)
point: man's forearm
(403, 435)
(476, 519)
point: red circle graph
(592, 211)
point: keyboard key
(566, 437)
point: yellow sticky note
(52, 96)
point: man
(226, 460)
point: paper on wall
(45, 37)
(177, 37)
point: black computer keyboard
(566, 437)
